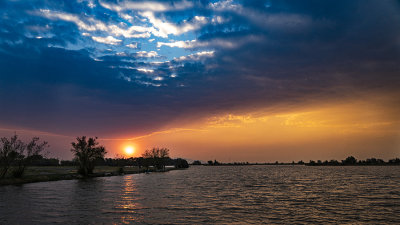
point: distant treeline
(351, 160)
(133, 161)
(39, 160)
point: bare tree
(14, 152)
(86, 152)
(8, 153)
(26, 153)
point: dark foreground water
(213, 195)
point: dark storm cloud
(264, 53)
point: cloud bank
(128, 68)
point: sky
(231, 80)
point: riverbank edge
(75, 176)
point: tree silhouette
(86, 152)
(8, 153)
(26, 154)
(349, 161)
(197, 162)
(156, 157)
(14, 152)
(312, 163)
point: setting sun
(129, 150)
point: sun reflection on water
(128, 205)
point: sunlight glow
(129, 150)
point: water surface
(209, 195)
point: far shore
(295, 164)
(55, 173)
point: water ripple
(213, 195)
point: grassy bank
(54, 173)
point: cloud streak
(153, 6)
(164, 28)
(107, 40)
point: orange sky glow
(334, 130)
(324, 131)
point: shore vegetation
(22, 162)
(17, 155)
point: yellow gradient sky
(366, 127)
(363, 128)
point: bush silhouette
(181, 163)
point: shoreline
(113, 171)
(35, 178)
(296, 164)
